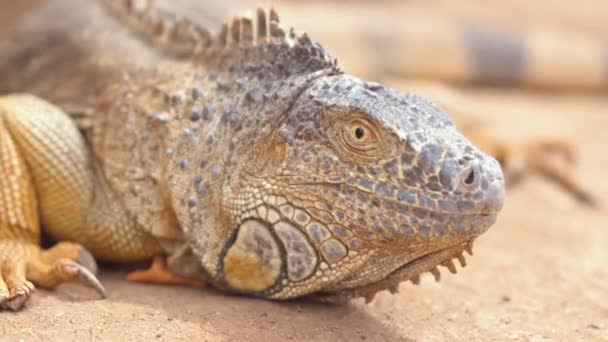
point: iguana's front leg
(48, 179)
(21, 258)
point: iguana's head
(358, 187)
(315, 181)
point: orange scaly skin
(21, 258)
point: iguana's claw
(85, 276)
(86, 259)
(15, 303)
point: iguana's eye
(360, 135)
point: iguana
(247, 158)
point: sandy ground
(539, 274)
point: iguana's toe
(15, 289)
(159, 273)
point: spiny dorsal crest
(243, 40)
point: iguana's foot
(15, 289)
(23, 264)
(159, 273)
(553, 158)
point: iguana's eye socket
(359, 135)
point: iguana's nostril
(469, 176)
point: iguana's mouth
(429, 262)
(410, 271)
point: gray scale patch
(447, 206)
(301, 256)
(252, 96)
(385, 190)
(300, 217)
(184, 164)
(208, 111)
(191, 201)
(196, 114)
(223, 86)
(448, 173)
(441, 229)
(364, 233)
(406, 229)
(286, 210)
(197, 93)
(333, 251)
(392, 167)
(161, 117)
(366, 184)
(458, 223)
(216, 170)
(317, 232)
(176, 98)
(340, 232)
(465, 206)
(339, 215)
(424, 230)
(187, 132)
(354, 244)
(430, 157)
(406, 197)
(427, 202)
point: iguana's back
(67, 52)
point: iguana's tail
(419, 45)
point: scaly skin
(248, 158)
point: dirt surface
(539, 274)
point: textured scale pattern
(246, 156)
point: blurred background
(541, 272)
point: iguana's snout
(473, 180)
